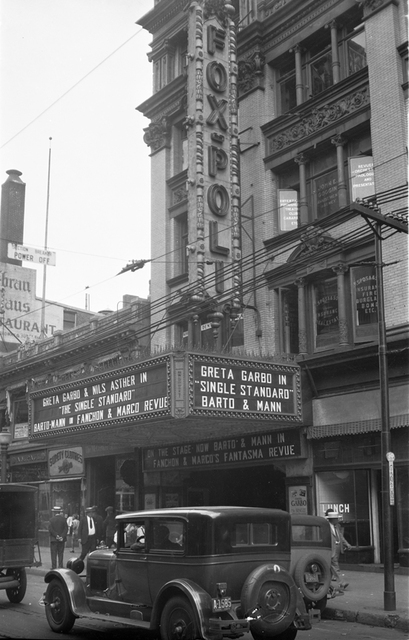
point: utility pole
(376, 221)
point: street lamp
(375, 219)
(5, 439)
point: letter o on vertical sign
(218, 200)
(216, 75)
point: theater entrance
(261, 486)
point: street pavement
(362, 602)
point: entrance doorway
(262, 486)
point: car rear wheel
(269, 597)
(313, 576)
(177, 621)
(57, 608)
(16, 594)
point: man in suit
(58, 530)
(99, 524)
(339, 544)
(87, 533)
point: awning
(353, 428)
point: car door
(132, 569)
(167, 539)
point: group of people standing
(90, 530)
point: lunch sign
(112, 398)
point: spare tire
(312, 575)
(269, 596)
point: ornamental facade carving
(320, 118)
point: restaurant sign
(271, 446)
(112, 398)
(244, 389)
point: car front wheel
(57, 608)
(16, 594)
(177, 621)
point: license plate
(221, 604)
(310, 577)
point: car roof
(210, 512)
(15, 487)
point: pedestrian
(69, 524)
(74, 527)
(109, 526)
(339, 544)
(87, 533)
(99, 524)
(58, 530)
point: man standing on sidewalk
(87, 533)
(339, 544)
(58, 530)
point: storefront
(347, 470)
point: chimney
(12, 214)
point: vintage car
(311, 558)
(18, 537)
(200, 572)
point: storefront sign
(288, 209)
(116, 397)
(258, 390)
(362, 177)
(65, 462)
(31, 457)
(249, 449)
(298, 499)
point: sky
(75, 71)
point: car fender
(198, 598)
(74, 587)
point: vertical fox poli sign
(213, 176)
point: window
(321, 74)
(180, 148)
(70, 319)
(286, 85)
(326, 319)
(254, 534)
(356, 53)
(169, 62)
(168, 535)
(347, 492)
(316, 61)
(181, 243)
(132, 535)
(319, 310)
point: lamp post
(5, 439)
(376, 220)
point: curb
(388, 620)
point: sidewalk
(362, 602)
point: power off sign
(31, 254)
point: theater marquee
(116, 397)
(244, 389)
(273, 446)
